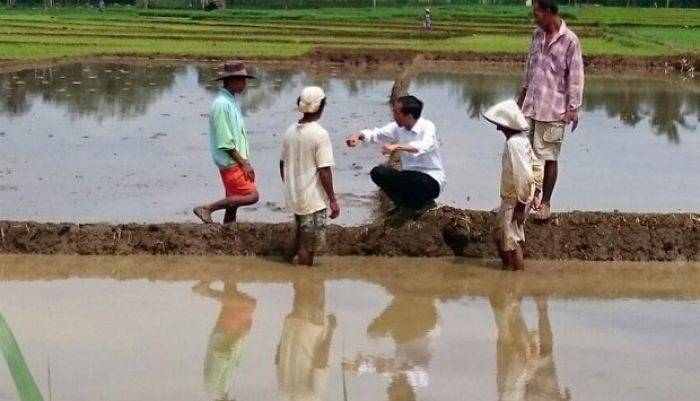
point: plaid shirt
(553, 76)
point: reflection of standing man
(524, 361)
(302, 353)
(552, 94)
(229, 146)
(544, 384)
(227, 339)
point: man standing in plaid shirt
(551, 95)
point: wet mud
(401, 57)
(381, 59)
(444, 232)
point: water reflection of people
(302, 353)
(412, 322)
(227, 338)
(524, 360)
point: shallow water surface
(147, 328)
(120, 142)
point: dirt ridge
(444, 232)
(383, 57)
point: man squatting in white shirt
(517, 182)
(422, 177)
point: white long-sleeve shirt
(423, 137)
(517, 178)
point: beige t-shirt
(305, 148)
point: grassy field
(36, 34)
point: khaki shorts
(546, 138)
(311, 230)
(506, 230)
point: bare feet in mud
(536, 203)
(544, 213)
(203, 214)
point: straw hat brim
(507, 114)
(503, 124)
(234, 74)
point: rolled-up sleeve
(384, 134)
(523, 177)
(576, 79)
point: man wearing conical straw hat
(517, 182)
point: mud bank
(379, 59)
(444, 232)
(591, 62)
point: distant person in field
(517, 182)
(305, 167)
(101, 5)
(551, 96)
(427, 19)
(228, 142)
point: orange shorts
(235, 182)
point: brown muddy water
(121, 143)
(179, 328)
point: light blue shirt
(226, 130)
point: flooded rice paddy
(147, 328)
(122, 142)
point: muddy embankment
(444, 232)
(387, 58)
(680, 62)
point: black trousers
(406, 188)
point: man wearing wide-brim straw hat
(228, 142)
(517, 182)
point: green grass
(265, 33)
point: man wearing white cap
(305, 167)
(517, 182)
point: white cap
(310, 99)
(507, 114)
